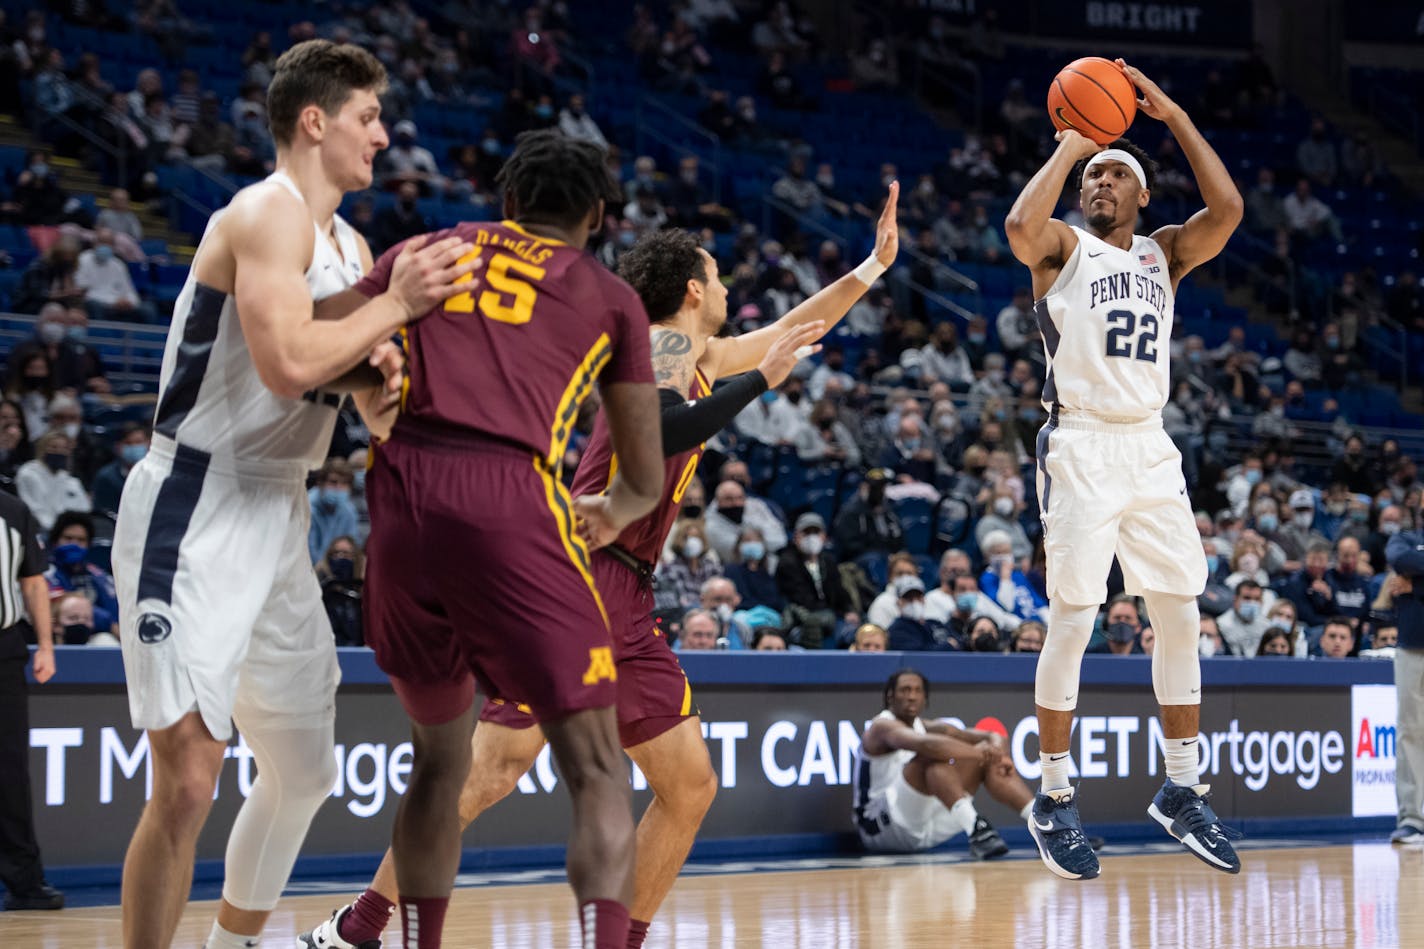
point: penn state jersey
(212, 398)
(1107, 325)
(874, 773)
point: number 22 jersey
(516, 356)
(1107, 329)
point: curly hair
(658, 268)
(554, 179)
(1149, 165)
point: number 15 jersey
(516, 356)
(1107, 327)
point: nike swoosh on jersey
(1098, 254)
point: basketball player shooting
(1109, 479)
(658, 723)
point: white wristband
(869, 270)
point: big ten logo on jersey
(600, 666)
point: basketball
(1095, 97)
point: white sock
(1027, 811)
(1055, 771)
(1183, 765)
(964, 815)
(220, 938)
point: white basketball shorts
(1105, 488)
(909, 821)
(219, 607)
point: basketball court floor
(1290, 893)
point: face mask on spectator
(330, 497)
(342, 568)
(986, 641)
(1206, 647)
(1212, 562)
(1003, 506)
(133, 454)
(70, 556)
(1253, 476)
(693, 511)
(1389, 528)
(1303, 520)
(76, 334)
(912, 445)
(1249, 610)
(39, 169)
(914, 611)
(1249, 563)
(752, 550)
(70, 430)
(103, 253)
(77, 634)
(51, 334)
(692, 548)
(966, 601)
(724, 612)
(1360, 517)
(978, 339)
(811, 545)
(733, 513)
(1268, 522)
(56, 461)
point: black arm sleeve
(689, 424)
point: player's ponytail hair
(1148, 163)
(555, 180)
(658, 268)
(320, 73)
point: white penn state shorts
(219, 607)
(909, 821)
(1109, 488)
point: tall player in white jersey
(221, 616)
(1109, 479)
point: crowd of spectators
(906, 413)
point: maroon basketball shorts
(474, 573)
(653, 692)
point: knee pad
(1176, 663)
(1056, 678)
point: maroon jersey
(516, 356)
(644, 537)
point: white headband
(1117, 154)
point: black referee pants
(20, 867)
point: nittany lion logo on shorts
(153, 628)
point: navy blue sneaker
(1186, 814)
(1058, 832)
(1407, 835)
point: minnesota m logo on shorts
(600, 666)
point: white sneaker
(328, 935)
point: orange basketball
(1094, 96)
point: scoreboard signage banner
(783, 753)
(1201, 23)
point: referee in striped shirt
(22, 589)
